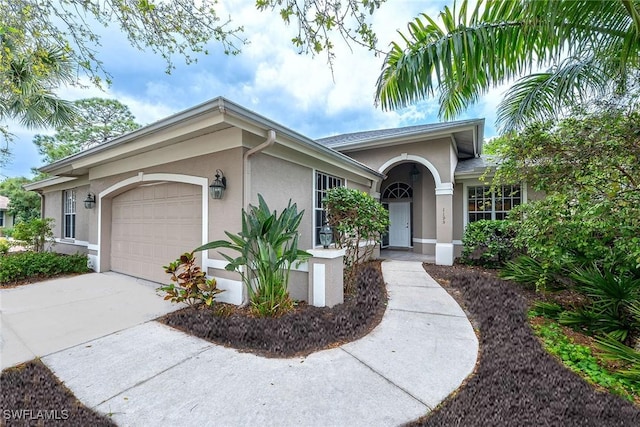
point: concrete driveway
(43, 318)
(94, 333)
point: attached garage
(152, 225)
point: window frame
(69, 214)
(494, 213)
(2, 218)
(318, 194)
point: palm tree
(27, 80)
(588, 48)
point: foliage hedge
(488, 243)
(24, 265)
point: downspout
(271, 139)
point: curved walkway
(151, 374)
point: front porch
(406, 255)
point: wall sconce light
(326, 236)
(90, 201)
(415, 173)
(217, 187)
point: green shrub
(488, 243)
(4, 246)
(191, 285)
(534, 274)
(25, 265)
(357, 219)
(268, 248)
(35, 232)
(6, 232)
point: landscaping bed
(32, 396)
(21, 268)
(516, 381)
(303, 331)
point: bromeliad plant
(267, 247)
(189, 283)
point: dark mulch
(297, 333)
(517, 383)
(33, 396)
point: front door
(400, 224)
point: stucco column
(444, 225)
(326, 268)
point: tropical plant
(612, 297)
(4, 246)
(358, 221)
(35, 233)
(533, 273)
(268, 248)
(190, 284)
(488, 243)
(590, 48)
(613, 349)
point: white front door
(399, 224)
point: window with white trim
(69, 213)
(486, 204)
(324, 182)
(1, 218)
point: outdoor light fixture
(217, 187)
(415, 173)
(326, 235)
(90, 201)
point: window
(69, 203)
(397, 190)
(324, 182)
(485, 204)
(1, 218)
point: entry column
(444, 224)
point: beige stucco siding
(53, 208)
(437, 152)
(279, 181)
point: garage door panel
(153, 225)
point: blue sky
(269, 77)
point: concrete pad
(223, 387)
(99, 370)
(58, 314)
(423, 300)
(12, 350)
(427, 355)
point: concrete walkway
(151, 374)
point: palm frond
(544, 96)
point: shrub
(535, 274)
(6, 232)
(268, 247)
(358, 220)
(4, 246)
(25, 265)
(35, 232)
(488, 243)
(191, 285)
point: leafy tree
(25, 205)
(98, 121)
(358, 220)
(35, 232)
(591, 48)
(589, 168)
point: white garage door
(152, 225)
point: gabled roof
(216, 114)
(467, 134)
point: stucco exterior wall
(437, 152)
